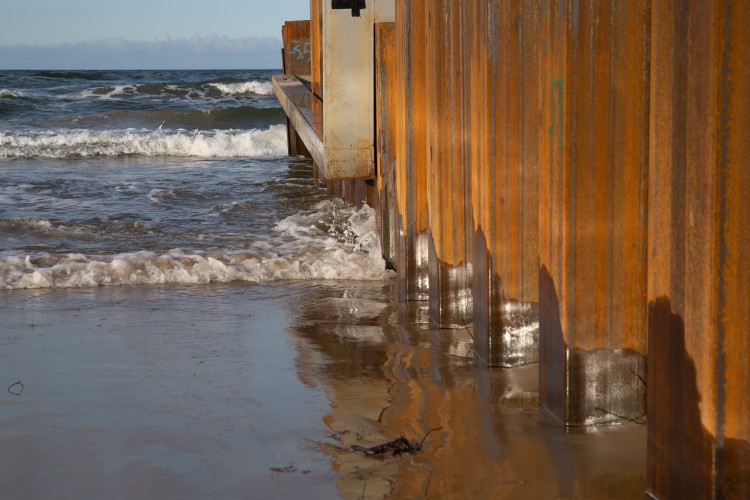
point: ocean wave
(12, 94)
(244, 117)
(71, 75)
(303, 252)
(199, 91)
(244, 88)
(209, 144)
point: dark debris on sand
(397, 447)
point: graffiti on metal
(301, 50)
(558, 118)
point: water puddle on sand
(274, 391)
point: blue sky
(144, 34)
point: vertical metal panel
(316, 40)
(295, 36)
(506, 183)
(484, 293)
(447, 172)
(386, 110)
(297, 47)
(699, 276)
(410, 141)
(592, 210)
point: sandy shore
(258, 391)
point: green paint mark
(558, 101)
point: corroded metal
(448, 180)
(410, 150)
(505, 40)
(296, 61)
(385, 116)
(699, 271)
(592, 209)
(297, 47)
(316, 56)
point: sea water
(157, 177)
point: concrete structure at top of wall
(348, 86)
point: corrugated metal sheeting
(572, 179)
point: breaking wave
(80, 143)
(245, 88)
(12, 94)
(303, 251)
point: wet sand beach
(259, 391)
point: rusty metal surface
(410, 141)
(297, 47)
(316, 36)
(385, 118)
(699, 276)
(592, 209)
(296, 60)
(504, 91)
(448, 181)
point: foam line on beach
(303, 251)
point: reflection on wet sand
(386, 377)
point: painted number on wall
(300, 50)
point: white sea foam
(300, 253)
(253, 87)
(11, 93)
(211, 144)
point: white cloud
(197, 51)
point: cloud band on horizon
(195, 52)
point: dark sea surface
(153, 177)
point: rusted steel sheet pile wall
(573, 178)
(699, 267)
(386, 109)
(505, 140)
(592, 210)
(297, 47)
(448, 181)
(296, 61)
(316, 57)
(411, 150)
